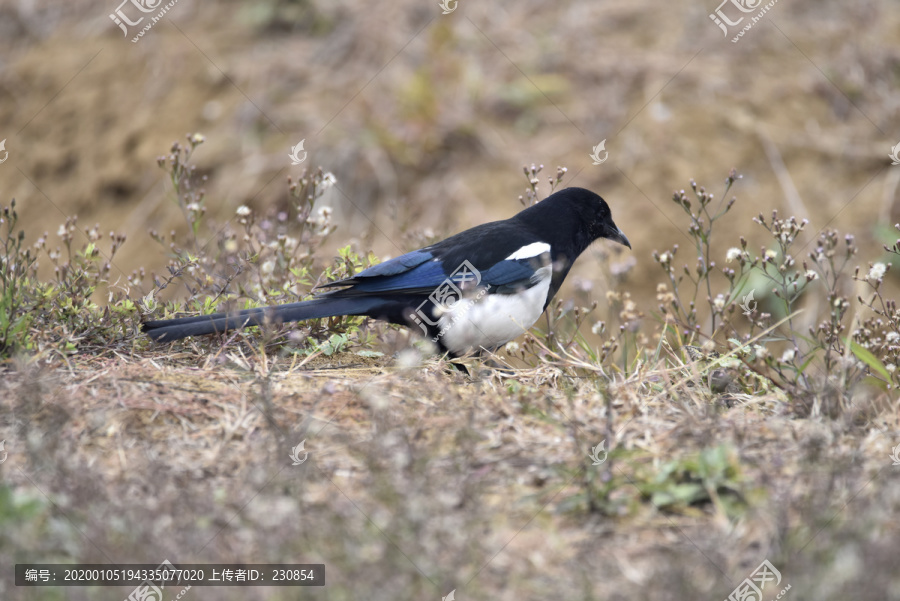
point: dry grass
(421, 480)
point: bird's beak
(618, 235)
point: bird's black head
(575, 217)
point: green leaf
(869, 359)
(684, 493)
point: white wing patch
(530, 250)
(496, 319)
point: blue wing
(508, 276)
(412, 270)
(419, 271)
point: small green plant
(258, 258)
(770, 343)
(700, 230)
(336, 343)
(17, 275)
(710, 476)
(877, 341)
(17, 508)
(56, 317)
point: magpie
(474, 291)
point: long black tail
(173, 329)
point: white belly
(494, 319)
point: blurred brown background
(427, 119)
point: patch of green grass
(710, 476)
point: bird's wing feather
(422, 278)
(502, 277)
(395, 266)
(509, 276)
(483, 247)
